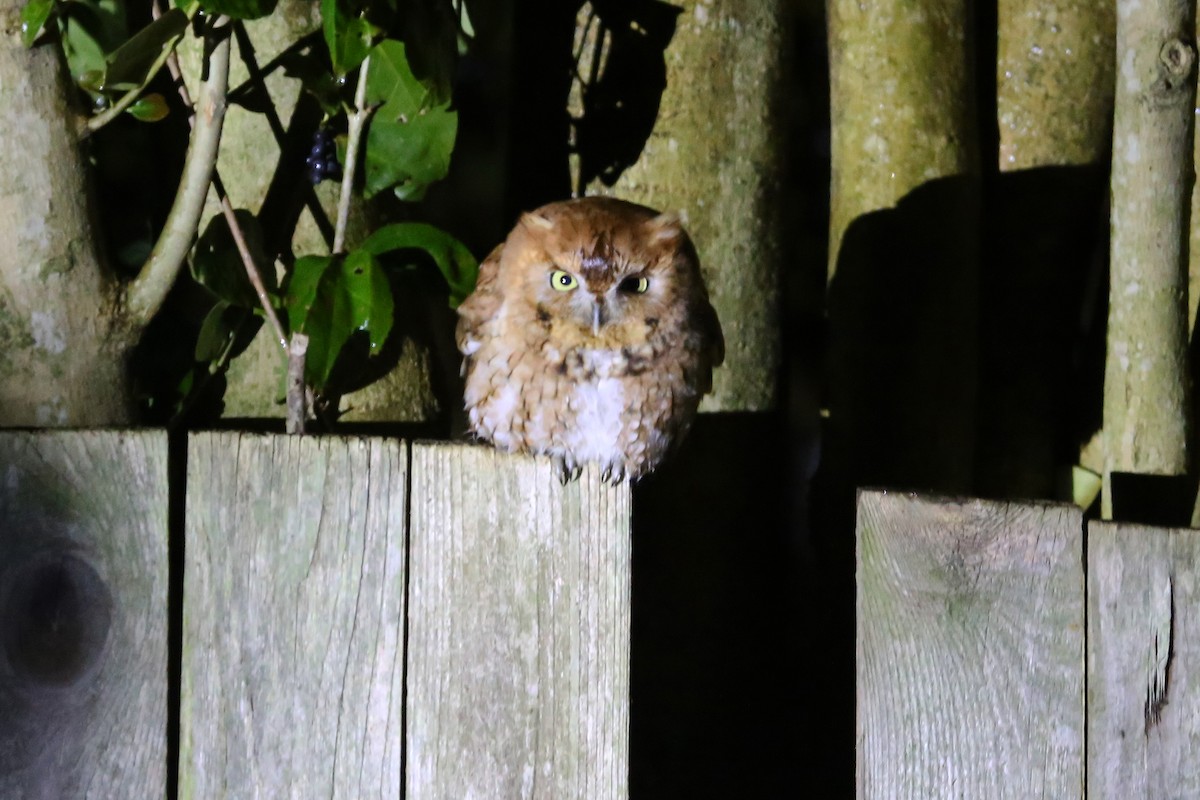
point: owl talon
(613, 475)
(567, 472)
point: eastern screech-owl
(589, 337)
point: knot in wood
(55, 615)
(1172, 88)
(1177, 56)
(10, 22)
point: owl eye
(562, 281)
(636, 285)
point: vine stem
(354, 128)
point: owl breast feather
(583, 406)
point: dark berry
(322, 163)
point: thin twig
(297, 391)
(252, 272)
(355, 125)
(145, 293)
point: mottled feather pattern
(589, 337)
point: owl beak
(599, 315)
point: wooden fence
(1012, 651)
(361, 618)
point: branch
(235, 228)
(145, 294)
(1146, 392)
(297, 389)
(353, 135)
(252, 272)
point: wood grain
(519, 632)
(1143, 662)
(970, 649)
(292, 668)
(83, 615)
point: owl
(589, 338)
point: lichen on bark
(64, 341)
(1146, 393)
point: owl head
(599, 271)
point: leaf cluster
(329, 298)
(405, 53)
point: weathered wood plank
(519, 630)
(83, 615)
(970, 649)
(1143, 662)
(292, 673)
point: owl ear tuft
(536, 221)
(665, 227)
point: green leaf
(151, 108)
(90, 30)
(391, 81)
(370, 297)
(217, 265)
(411, 135)
(1085, 486)
(329, 299)
(185, 388)
(217, 331)
(310, 309)
(237, 9)
(347, 34)
(456, 263)
(302, 288)
(85, 56)
(409, 155)
(131, 62)
(91, 81)
(431, 33)
(465, 27)
(33, 18)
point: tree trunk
(714, 155)
(63, 346)
(903, 244)
(1146, 392)
(1043, 227)
(1053, 56)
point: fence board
(519, 631)
(292, 673)
(83, 615)
(1143, 662)
(970, 649)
